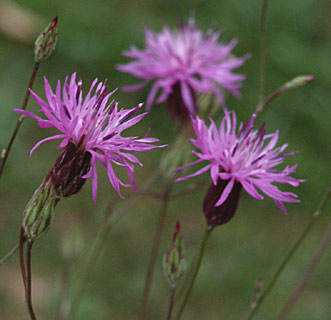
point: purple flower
(246, 158)
(91, 129)
(183, 61)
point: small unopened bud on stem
(46, 42)
(39, 212)
(297, 82)
(174, 262)
(174, 265)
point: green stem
(9, 254)
(262, 53)
(290, 253)
(155, 248)
(204, 241)
(299, 289)
(5, 153)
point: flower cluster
(247, 158)
(183, 61)
(91, 131)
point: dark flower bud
(68, 170)
(216, 216)
(177, 108)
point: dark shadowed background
(92, 36)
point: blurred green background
(92, 36)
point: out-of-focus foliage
(92, 36)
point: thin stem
(269, 99)
(5, 152)
(296, 82)
(21, 253)
(29, 282)
(299, 289)
(9, 254)
(204, 241)
(262, 52)
(290, 253)
(171, 301)
(156, 243)
(108, 222)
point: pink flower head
(184, 60)
(94, 125)
(247, 157)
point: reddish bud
(177, 109)
(222, 214)
(68, 170)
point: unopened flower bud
(46, 42)
(174, 262)
(222, 214)
(39, 212)
(298, 82)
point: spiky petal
(247, 157)
(184, 59)
(92, 125)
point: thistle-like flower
(182, 62)
(91, 131)
(244, 159)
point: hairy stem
(204, 241)
(290, 253)
(301, 286)
(155, 248)
(5, 152)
